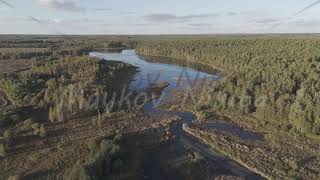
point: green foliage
(35, 126)
(59, 77)
(28, 123)
(276, 80)
(9, 116)
(105, 158)
(106, 145)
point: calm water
(155, 70)
(152, 71)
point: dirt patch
(13, 66)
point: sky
(158, 17)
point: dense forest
(275, 81)
(59, 80)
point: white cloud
(70, 5)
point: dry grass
(47, 158)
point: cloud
(174, 18)
(266, 21)
(231, 13)
(306, 23)
(103, 9)
(200, 24)
(68, 5)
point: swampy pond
(153, 70)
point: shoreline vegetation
(269, 87)
(198, 136)
(273, 155)
(291, 142)
(264, 78)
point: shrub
(92, 145)
(117, 138)
(42, 131)
(28, 123)
(3, 151)
(35, 126)
(36, 132)
(202, 116)
(7, 135)
(106, 145)
(294, 165)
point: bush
(3, 151)
(7, 135)
(294, 165)
(92, 145)
(9, 116)
(117, 138)
(36, 132)
(28, 123)
(35, 126)
(42, 131)
(106, 145)
(202, 116)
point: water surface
(156, 70)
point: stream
(180, 76)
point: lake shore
(276, 155)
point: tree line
(274, 80)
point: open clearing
(12, 67)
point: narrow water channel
(153, 71)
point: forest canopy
(274, 80)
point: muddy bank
(200, 137)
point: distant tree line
(28, 53)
